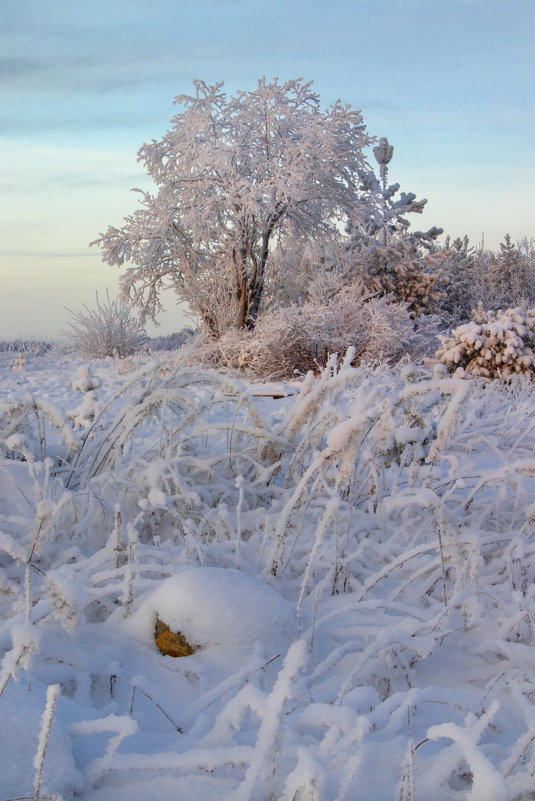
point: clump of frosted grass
(107, 330)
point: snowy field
(353, 564)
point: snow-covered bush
(494, 345)
(108, 330)
(294, 339)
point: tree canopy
(247, 186)
(238, 181)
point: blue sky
(83, 85)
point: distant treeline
(38, 347)
(35, 347)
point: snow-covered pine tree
(458, 281)
(509, 276)
(382, 257)
(493, 345)
(238, 180)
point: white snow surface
(355, 563)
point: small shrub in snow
(19, 363)
(85, 381)
(108, 330)
(494, 345)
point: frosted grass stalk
(330, 511)
(278, 557)
(239, 485)
(10, 662)
(265, 743)
(132, 556)
(52, 694)
(28, 592)
(487, 781)
(407, 788)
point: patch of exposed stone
(171, 643)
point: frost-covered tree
(242, 182)
(382, 256)
(387, 211)
(509, 276)
(459, 281)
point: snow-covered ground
(353, 564)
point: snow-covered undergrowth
(353, 563)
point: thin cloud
(13, 68)
(60, 118)
(77, 181)
(43, 254)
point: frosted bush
(493, 345)
(108, 330)
(298, 338)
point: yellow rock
(171, 643)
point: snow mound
(214, 606)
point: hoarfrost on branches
(243, 184)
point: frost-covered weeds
(393, 511)
(107, 330)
